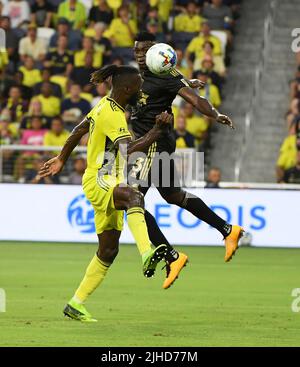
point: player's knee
(136, 199)
(108, 254)
(175, 198)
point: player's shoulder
(113, 106)
(107, 109)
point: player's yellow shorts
(99, 191)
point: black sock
(157, 237)
(199, 209)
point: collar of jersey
(111, 99)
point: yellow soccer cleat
(77, 312)
(173, 269)
(232, 242)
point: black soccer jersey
(158, 94)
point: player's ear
(127, 90)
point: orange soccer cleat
(173, 269)
(232, 242)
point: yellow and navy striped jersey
(107, 125)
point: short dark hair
(145, 36)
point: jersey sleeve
(174, 84)
(115, 126)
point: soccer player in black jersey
(158, 93)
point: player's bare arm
(195, 83)
(142, 144)
(56, 164)
(204, 106)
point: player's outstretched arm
(142, 144)
(56, 164)
(204, 106)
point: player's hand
(164, 119)
(51, 167)
(225, 120)
(195, 83)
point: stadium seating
(71, 65)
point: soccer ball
(161, 59)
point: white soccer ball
(161, 59)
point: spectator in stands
(81, 75)
(57, 135)
(207, 53)
(18, 11)
(55, 4)
(16, 104)
(153, 28)
(122, 30)
(60, 59)
(6, 135)
(219, 16)
(183, 138)
(207, 67)
(46, 78)
(292, 175)
(34, 137)
(41, 13)
(102, 90)
(79, 168)
(296, 123)
(235, 6)
(195, 124)
(209, 91)
(3, 60)
(50, 103)
(32, 176)
(32, 45)
(213, 178)
(287, 154)
(17, 81)
(189, 21)
(294, 84)
(102, 43)
(152, 16)
(195, 47)
(11, 42)
(63, 28)
(74, 107)
(31, 75)
(101, 13)
(6, 138)
(88, 47)
(35, 109)
(164, 8)
(74, 11)
(182, 66)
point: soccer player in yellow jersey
(108, 146)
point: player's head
(126, 81)
(143, 42)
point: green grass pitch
(244, 303)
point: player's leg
(94, 275)
(141, 175)
(131, 200)
(196, 206)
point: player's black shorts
(156, 167)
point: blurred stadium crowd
(53, 46)
(288, 163)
